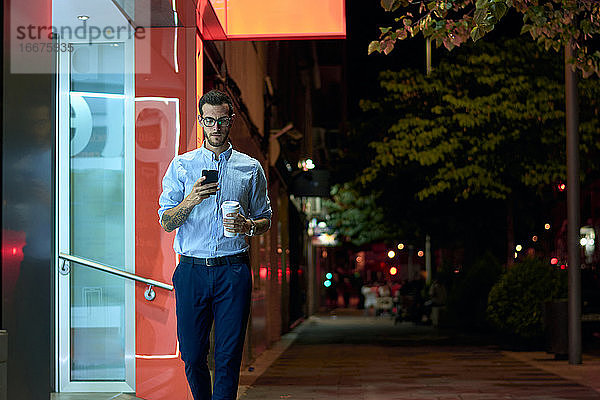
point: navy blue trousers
(203, 295)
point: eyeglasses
(209, 122)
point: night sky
(364, 17)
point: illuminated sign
(283, 19)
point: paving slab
(366, 358)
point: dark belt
(241, 258)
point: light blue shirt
(241, 178)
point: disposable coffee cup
(230, 207)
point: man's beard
(220, 141)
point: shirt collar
(226, 154)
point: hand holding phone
(211, 178)
(204, 187)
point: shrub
(516, 301)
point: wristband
(252, 229)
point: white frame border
(62, 296)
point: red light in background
(561, 186)
(554, 261)
(563, 266)
(262, 272)
(393, 271)
(12, 256)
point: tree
(486, 124)
(553, 23)
(572, 24)
(355, 216)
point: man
(213, 280)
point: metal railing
(149, 294)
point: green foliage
(486, 124)
(356, 217)
(468, 293)
(516, 302)
(451, 23)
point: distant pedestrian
(331, 293)
(347, 290)
(437, 293)
(370, 293)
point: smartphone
(212, 176)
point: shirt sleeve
(173, 190)
(260, 205)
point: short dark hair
(215, 98)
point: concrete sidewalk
(354, 357)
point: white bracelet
(252, 228)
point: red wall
(159, 369)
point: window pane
(97, 230)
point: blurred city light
(391, 254)
(262, 272)
(554, 261)
(329, 275)
(327, 283)
(393, 271)
(400, 246)
(519, 247)
(534, 238)
(547, 226)
(587, 241)
(420, 253)
(326, 239)
(561, 186)
(305, 165)
(516, 254)
(563, 266)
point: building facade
(98, 98)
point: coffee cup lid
(230, 204)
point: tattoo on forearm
(171, 221)
(262, 225)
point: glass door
(95, 205)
